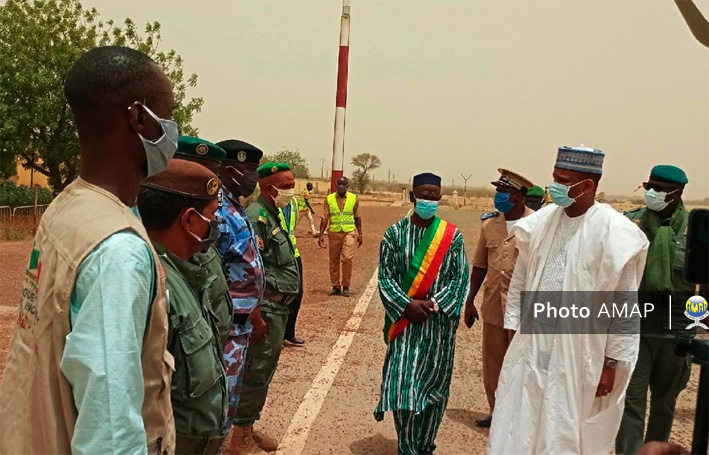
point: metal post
(36, 199)
(465, 188)
(322, 168)
(338, 146)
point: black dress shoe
(346, 291)
(295, 341)
(484, 423)
(335, 291)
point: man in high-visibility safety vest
(306, 210)
(341, 212)
(289, 220)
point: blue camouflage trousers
(234, 356)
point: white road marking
(297, 433)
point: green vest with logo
(289, 225)
(199, 385)
(342, 220)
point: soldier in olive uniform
(178, 208)
(210, 156)
(277, 184)
(664, 220)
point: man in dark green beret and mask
(210, 156)
(534, 199)
(178, 208)
(277, 186)
(664, 221)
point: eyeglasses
(659, 187)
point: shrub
(18, 195)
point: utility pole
(322, 168)
(338, 145)
(465, 190)
(389, 177)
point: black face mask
(212, 235)
(248, 185)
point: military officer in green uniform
(277, 186)
(178, 209)
(210, 156)
(664, 220)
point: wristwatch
(610, 363)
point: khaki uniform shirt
(496, 252)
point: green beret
(668, 173)
(536, 190)
(199, 148)
(187, 179)
(271, 168)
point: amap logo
(696, 310)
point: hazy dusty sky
(451, 86)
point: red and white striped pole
(338, 145)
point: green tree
(39, 42)
(364, 162)
(297, 162)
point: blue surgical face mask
(502, 202)
(160, 151)
(426, 209)
(560, 194)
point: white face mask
(284, 197)
(160, 151)
(655, 200)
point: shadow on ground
(373, 445)
(467, 418)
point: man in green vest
(664, 221)
(341, 212)
(210, 156)
(277, 186)
(178, 208)
(289, 220)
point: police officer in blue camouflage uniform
(244, 268)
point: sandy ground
(345, 423)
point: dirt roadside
(345, 423)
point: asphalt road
(324, 393)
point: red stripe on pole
(342, 67)
(335, 177)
